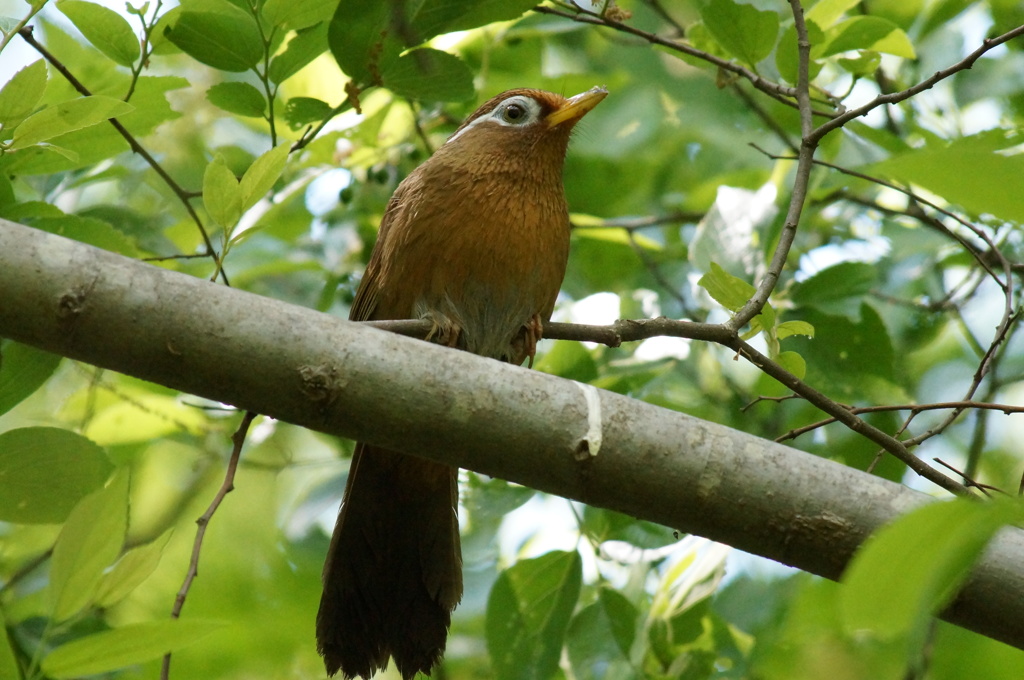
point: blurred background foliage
(102, 476)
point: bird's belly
(491, 295)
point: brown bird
(476, 241)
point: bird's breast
(487, 254)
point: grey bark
(341, 378)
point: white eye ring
(517, 111)
(524, 110)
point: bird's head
(522, 126)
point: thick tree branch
(501, 420)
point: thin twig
(20, 26)
(801, 179)
(926, 84)
(228, 485)
(146, 46)
(1006, 409)
(176, 189)
(623, 330)
(772, 124)
(655, 271)
(669, 19)
(976, 252)
(311, 133)
(778, 400)
(637, 223)
(784, 94)
(844, 415)
(418, 126)
(984, 488)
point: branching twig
(977, 253)
(310, 134)
(772, 124)
(970, 483)
(801, 179)
(846, 417)
(894, 98)
(238, 439)
(146, 48)
(913, 408)
(778, 400)
(786, 95)
(176, 189)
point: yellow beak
(576, 107)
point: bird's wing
(365, 303)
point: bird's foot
(525, 343)
(443, 331)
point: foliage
(257, 141)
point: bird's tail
(394, 568)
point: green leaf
(103, 27)
(969, 171)
(847, 356)
(725, 289)
(767, 317)
(88, 230)
(151, 105)
(23, 369)
(528, 614)
(297, 14)
(827, 12)
(125, 646)
(864, 65)
(601, 636)
(866, 33)
(89, 542)
(429, 75)
(445, 16)
(131, 570)
(794, 363)
(605, 259)
(569, 360)
(306, 46)
(301, 111)
(360, 41)
(788, 328)
(606, 525)
(746, 32)
(19, 96)
(221, 193)
(69, 116)
(45, 472)
(909, 569)
(218, 34)
(240, 98)
(262, 174)
(787, 55)
(8, 662)
(840, 281)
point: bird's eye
(514, 114)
